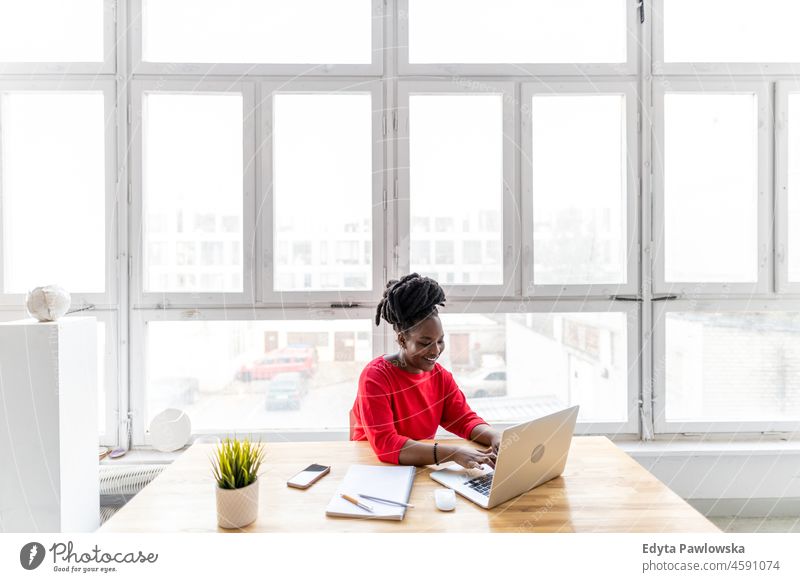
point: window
(255, 375)
(510, 371)
(193, 176)
(333, 134)
(456, 173)
(308, 37)
(579, 158)
(743, 31)
(713, 168)
(53, 174)
(516, 31)
(55, 36)
(515, 151)
(728, 367)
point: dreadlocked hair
(408, 301)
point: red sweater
(393, 405)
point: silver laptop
(530, 454)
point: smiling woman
(405, 397)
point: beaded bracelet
(435, 456)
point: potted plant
(235, 465)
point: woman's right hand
(473, 458)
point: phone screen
(308, 475)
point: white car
(484, 383)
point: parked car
(286, 390)
(484, 383)
(293, 358)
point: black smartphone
(308, 476)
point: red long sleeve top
(393, 405)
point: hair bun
(409, 300)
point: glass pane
(732, 366)
(517, 31)
(323, 192)
(257, 31)
(793, 161)
(53, 178)
(257, 375)
(193, 191)
(514, 367)
(456, 174)
(579, 158)
(51, 31)
(711, 187)
(731, 31)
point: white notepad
(386, 482)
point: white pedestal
(48, 426)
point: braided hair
(409, 301)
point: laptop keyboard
(481, 484)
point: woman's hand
(496, 438)
(486, 435)
(473, 458)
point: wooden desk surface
(602, 490)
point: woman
(404, 397)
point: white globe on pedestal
(47, 303)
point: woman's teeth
(430, 359)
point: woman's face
(422, 345)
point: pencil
(355, 501)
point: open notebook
(386, 482)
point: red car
(293, 358)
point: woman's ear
(401, 339)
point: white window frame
(660, 310)
(700, 68)
(266, 201)
(140, 297)
(140, 67)
(631, 427)
(782, 91)
(113, 377)
(510, 190)
(765, 124)
(109, 298)
(629, 67)
(632, 127)
(107, 66)
(138, 371)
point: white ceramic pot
(237, 507)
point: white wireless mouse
(445, 499)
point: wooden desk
(602, 490)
